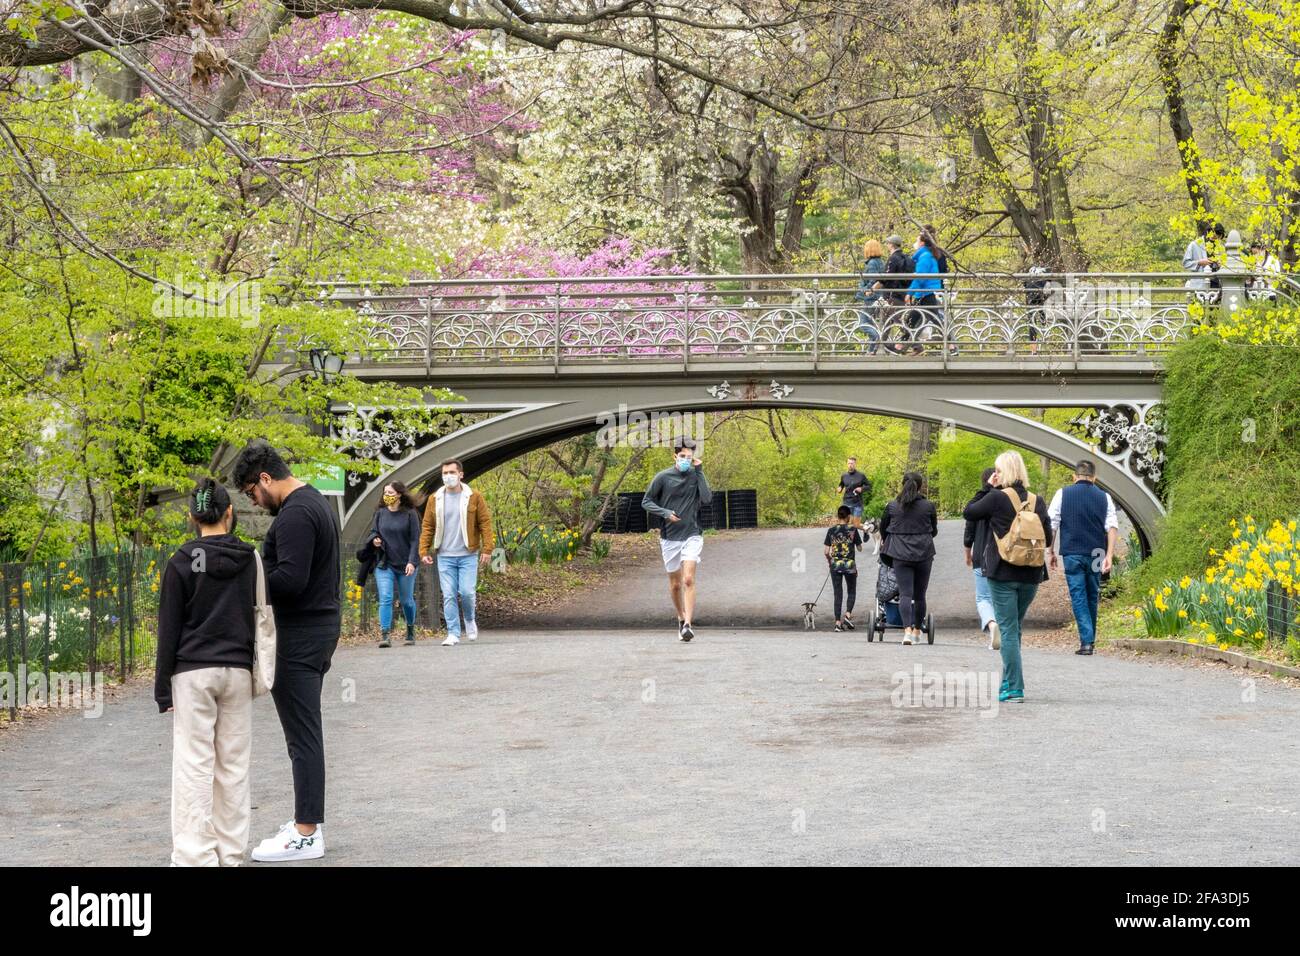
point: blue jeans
(1084, 582)
(1011, 599)
(855, 508)
(457, 577)
(387, 580)
(983, 600)
(867, 326)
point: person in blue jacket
(922, 292)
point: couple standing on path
(456, 530)
(205, 660)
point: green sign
(327, 479)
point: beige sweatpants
(211, 750)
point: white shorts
(675, 552)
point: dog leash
(819, 593)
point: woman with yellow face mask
(396, 535)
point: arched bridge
(539, 360)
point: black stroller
(887, 613)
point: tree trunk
(1168, 58)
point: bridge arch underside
(533, 415)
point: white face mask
(451, 481)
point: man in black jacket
(899, 262)
(301, 554)
(975, 539)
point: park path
(751, 579)
(744, 747)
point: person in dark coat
(1012, 587)
(396, 535)
(907, 529)
(895, 290)
(974, 539)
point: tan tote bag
(263, 636)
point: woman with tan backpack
(1014, 560)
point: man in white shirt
(1085, 528)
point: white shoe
(289, 844)
(471, 630)
(995, 636)
(907, 637)
(451, 640)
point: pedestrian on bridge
(870, 293)
(895, 290)
(1015, 558)
(908, 528)
(676, 494)
(1086, 527)
(923, 292)
(458, 529)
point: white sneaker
(289, 844)
(451, 640)
(995, 636)
(471, 630)
(907, 637)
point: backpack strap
(1029, 504)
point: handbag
(886, 585)
(263, 635)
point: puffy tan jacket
(475, 519)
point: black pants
(301, 662)
(913, 580)
(839, 582)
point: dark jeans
(839, 582)
(913, 581)
(1084, 582)
(301, 663)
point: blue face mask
(683, 464)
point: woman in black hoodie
(205, 678)
(907, 528)
(1012, 587)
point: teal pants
(1011, 599)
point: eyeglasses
(251, 492)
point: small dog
(871, 530)
(809, 622)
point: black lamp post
(326, 364)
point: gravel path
(761, 578)
(747, 747)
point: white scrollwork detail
(1130, 435)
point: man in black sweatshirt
(301, 554)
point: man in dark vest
(1085, 526)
